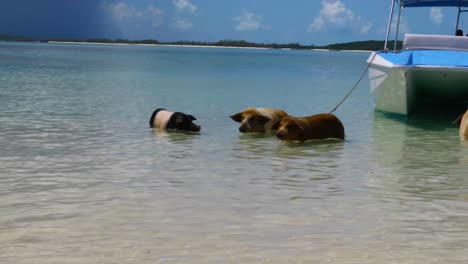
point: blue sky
(318, 22)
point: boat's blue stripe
(428, 57)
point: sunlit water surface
(83, 179)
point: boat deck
(429, 58)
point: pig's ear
(262, 120)
(276, 126)
(192, 117)
(237, 117)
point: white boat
(427, 66)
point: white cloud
(249, 21)
(184, 5)
(334, 13)
(182, 24)
(317, 24)
(122, 12)
(436, 15)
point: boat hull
(400, 88)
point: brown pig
(320, 126)
(258, 120)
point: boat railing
(435, 42)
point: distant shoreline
(149, 45)
(356, 46)
(194, 46)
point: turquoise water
(83, 179)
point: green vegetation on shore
(5, 37)
(358, 45)
(363, 45)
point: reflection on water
(177, 137)
(328, 148)
(418, 173)
(417, 144)
(418, 157)
(306, 169)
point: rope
(356, 84)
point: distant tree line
(364, 45)
(242, 44)
(357, 45)
(5, 37)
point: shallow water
(83, 179)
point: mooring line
(356, 84)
